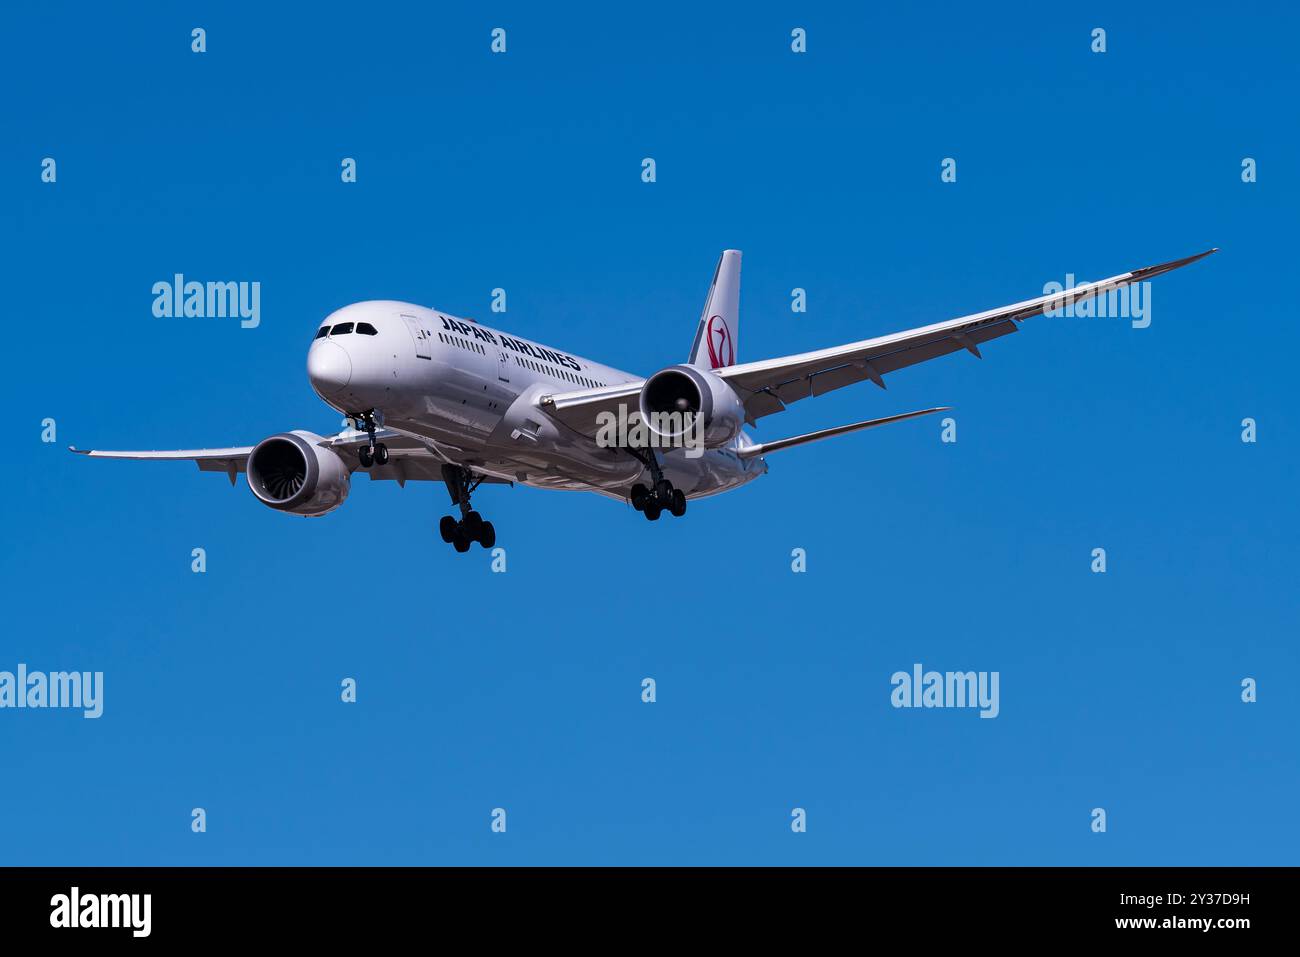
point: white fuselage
(470, 394)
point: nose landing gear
(377, 452)
(471, 527)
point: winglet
(1148, 271)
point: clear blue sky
(522, 690)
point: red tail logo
(722, 348)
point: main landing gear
(660, 497)
(377, 452)
(471, 527)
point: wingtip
(1191, 259)
(1150, 272)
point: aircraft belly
(717, 470)
(550, 454)
(553, 465)
(507, 436)
(455, 408)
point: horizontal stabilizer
(765, 447)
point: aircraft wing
(580, 410)
(769, 386)
(408, 458)
(231, 460)
(767, 448)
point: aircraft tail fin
(715, 343)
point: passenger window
(366, 329)
(322, 332)
(342, 329)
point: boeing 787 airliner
(433, 397)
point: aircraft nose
(328, 367)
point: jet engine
(683, 402)
(293, 473)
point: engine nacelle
(701, 400)
(292, 473)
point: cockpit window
(366, 329)
(342, 329)
(322, 332)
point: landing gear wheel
(368, 422)
(640, 494)
(471, 527)
(678, 505)
(660, 496)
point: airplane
(434, 397)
